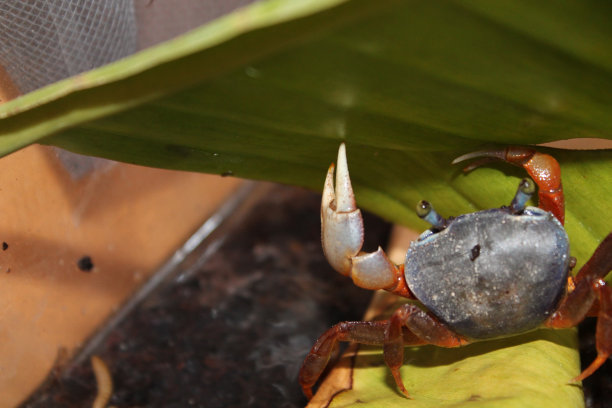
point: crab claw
(342, 233)
(341, 222)
(542, 168)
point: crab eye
(527, 186)
(426, 211)
(423, 208)
(524, 192)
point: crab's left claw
(342, 234)
(341, 222)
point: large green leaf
(269, 91)
(525, 371)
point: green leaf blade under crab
(471, 376)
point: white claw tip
(341, 162)
(498, 154)
(467, 156)
(345, 199)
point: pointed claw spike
(400, 384)
(499, 154)
(345, 199)
(328, 188)
(598, 362)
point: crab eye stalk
(426, 211)
(524, 192)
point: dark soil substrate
(235, 334)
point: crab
(484, 275)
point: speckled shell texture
(491, 273)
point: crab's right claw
(342, 234)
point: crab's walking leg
(342, 236)
(409, 325)
(542, 168)
(420, 324)
(590, 288)
(372, 333)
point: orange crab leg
(372, 333)
(603, 337)
(542, 168)
(316, 361)
(409, 326)
(421, 325)
(590, 289)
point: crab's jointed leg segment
(409, 326)
(542, 168)
(422, 326)
(342, 235)
(590, 289)
(315, 362)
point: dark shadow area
(598, 387)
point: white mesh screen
(160, 20)
(42, 41)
